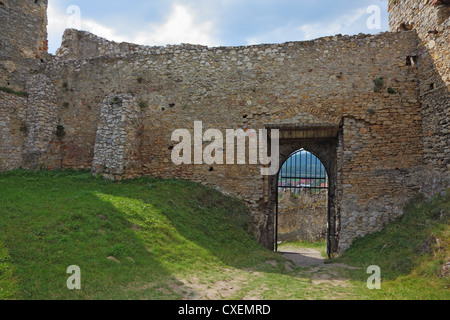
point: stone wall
(303, 217)
(328, 81)
(28, 126)
(116, 144)
(23, 40)
(13, 130)
(431, 20)
(41, 121)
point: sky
(215, 22)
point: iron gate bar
(321, 188)
(276, 223)
(297, 177)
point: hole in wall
(445, 3)
(411, 60)
(378, 84)
(60, 131)
(405, 26)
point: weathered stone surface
(431, 20)
(116, 142)
(13, 130)
(303, 217)
(23, 40)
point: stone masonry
(431, 20)
(302, 217)
(115, 145)
(23, 40)
(373, 108)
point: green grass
(179, 239)
(410, 252)
(50, 221)
(8, 284)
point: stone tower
(430, 19)
(23, 58)
(23, 40)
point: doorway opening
(302, 201)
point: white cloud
(343, 24)
(103, 31)
(277, 35)
(181, 26)
(58, 21)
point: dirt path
(303, 257)
(322, 275)
(307, 257)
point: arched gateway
(302, 202)
(323, 143)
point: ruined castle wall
(23, 40)
(431, 20)
(27, 125)
(112, 107)
(326, 81)
(13, 130)
(23, 52)
(84, 45)
(116, 143)
(41, 119)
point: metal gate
(302, 172)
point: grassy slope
(50, 221)
(176, 233)
(410, 252)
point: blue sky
(213, 22)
